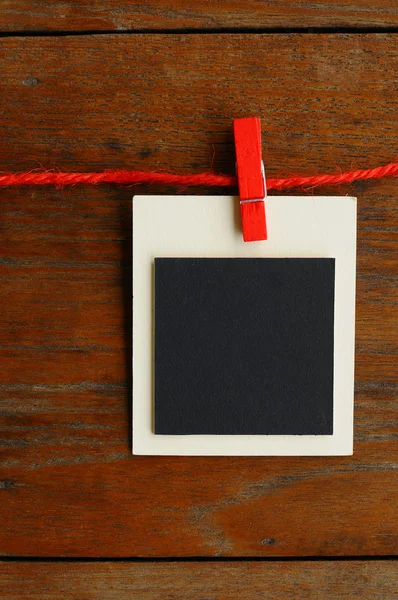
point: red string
(60, 179)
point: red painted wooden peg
(252, 189)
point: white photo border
(209, 227)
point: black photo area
(244, 346)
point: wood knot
(268, 541)
(31, 81)
(7, 484)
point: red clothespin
(252, 188)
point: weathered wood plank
(122, 15)
(370, 580)
(69, 486)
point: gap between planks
(199, 31)
(196, 559)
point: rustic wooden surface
(69, 486)
(370, 580)
(119, 15)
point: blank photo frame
(243, 348)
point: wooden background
(69, 487)
(124, 15)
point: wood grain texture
(69, 486)
(122, 15)
(370, 580)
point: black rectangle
(244, 346)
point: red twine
(60, 179)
